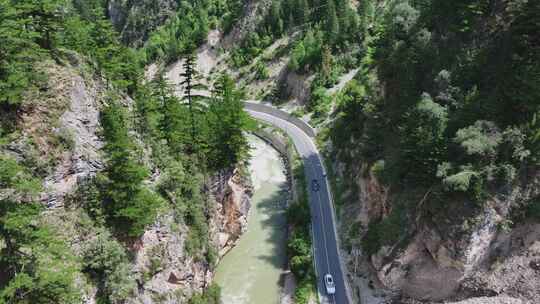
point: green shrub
(460, 181)
(533, 209)
(261, 72)
(37, 267)
(385, 232)
(106, 261)
(212, 295)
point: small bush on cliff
(106, 262)
(212, 295)
(384, 232)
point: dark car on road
(315, 185)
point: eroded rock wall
(486, 262)
(62, 136)
(171, 273)
(135, 20)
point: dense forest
(446, 102)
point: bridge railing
(257, 107)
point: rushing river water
(250, 272)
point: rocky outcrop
(296, 87)
(80, 123)
(232, 192)
(61, 130)
(135, 20)
(476, 260)
(166, 270)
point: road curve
(324, 231)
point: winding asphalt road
(325, 240)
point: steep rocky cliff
(62, 136)
(170, 274)
(478, 256)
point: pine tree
(174, 125)
(332, 22)
(274, 18)
(18, 52)
(130, 207)
(44, 17)
(302, 9)
(228, 121)
(188, 84)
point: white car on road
(329, 284)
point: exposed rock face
(59, 131)
(233, 193)
(64, 125)
(166, 270)
(297, 87)
(81, 123)
(164, 267)
(136, 19)
(254, 10)
(485, 264)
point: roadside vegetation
(299, 244)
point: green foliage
(219, 144)
(299, 242)
(460, 181)
(38, 268)
(212, 295)
(261, 72)
(130, 207)
(308, 52)
(304, 291)
(105, 260)
(251, 47)
(481, 139)
(320, 102)
(444, 102)
(384, 232)
(35, 30)
(299, 248)
(181, 34)
(18, 53)
(404, 17)
(333, 23)
(227, 121)
(16, 180)
(423, 141)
